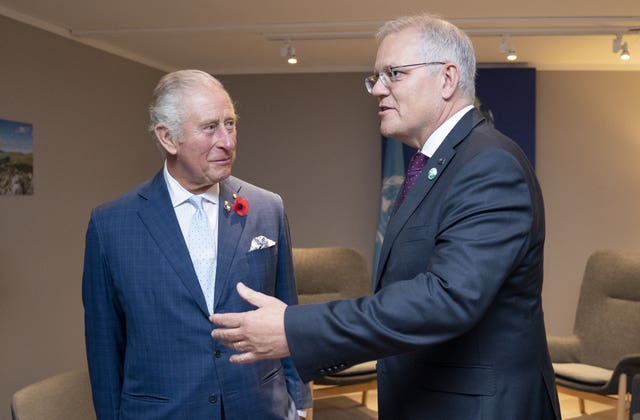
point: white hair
(167, 107)
(441, 41)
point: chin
(391, 134)
(388, 130)
(220, 177)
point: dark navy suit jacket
(149, 348)
(456, 319)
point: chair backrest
(62, 397)
(608, 314)
(330, 273)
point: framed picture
(16, 158)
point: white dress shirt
(437, 137)
(185, 211)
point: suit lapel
(230, 228)
(431, 173)
(159, 217)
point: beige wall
(90, 144)
(313, 138)
(588, 154)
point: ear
(165, 140)
(451, 77)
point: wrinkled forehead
(208, 101)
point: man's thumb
(255, 298)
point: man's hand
(257, 334)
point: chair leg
(634, 409)
(310, 409)
(622, 396)
(365, 395)
(581, 406)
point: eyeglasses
(391, 74)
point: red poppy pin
(240, 205)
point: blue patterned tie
(202, 248)
(413, 171)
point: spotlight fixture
(507, 48)
(618, 45)
(288, 51)
(624, 55)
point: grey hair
(167, 106)
(441, 41)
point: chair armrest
(563, 349)
(634, 410)
(632, 359)
(629, 364)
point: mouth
(225, 160)
(382, 110)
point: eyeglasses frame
(385, 75)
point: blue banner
(507, 97)
(393, 169)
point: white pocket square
(261, 242)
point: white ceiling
(234, 37)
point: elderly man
(163, 257)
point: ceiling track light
(618, 45)
(507, 48)
(624, 55)
(289, 52)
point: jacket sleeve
(104, 327)
(480, 236)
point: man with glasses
(456, 316)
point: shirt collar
(179, 194)
(437, 137)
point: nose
(379, 89)
(226, 139)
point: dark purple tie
(415, 167)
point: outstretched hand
(257, 334)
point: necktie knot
(197, 202)
(416, 165)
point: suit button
(213, 398)
(217, 354)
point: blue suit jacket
(149, 348)
(457, 317)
